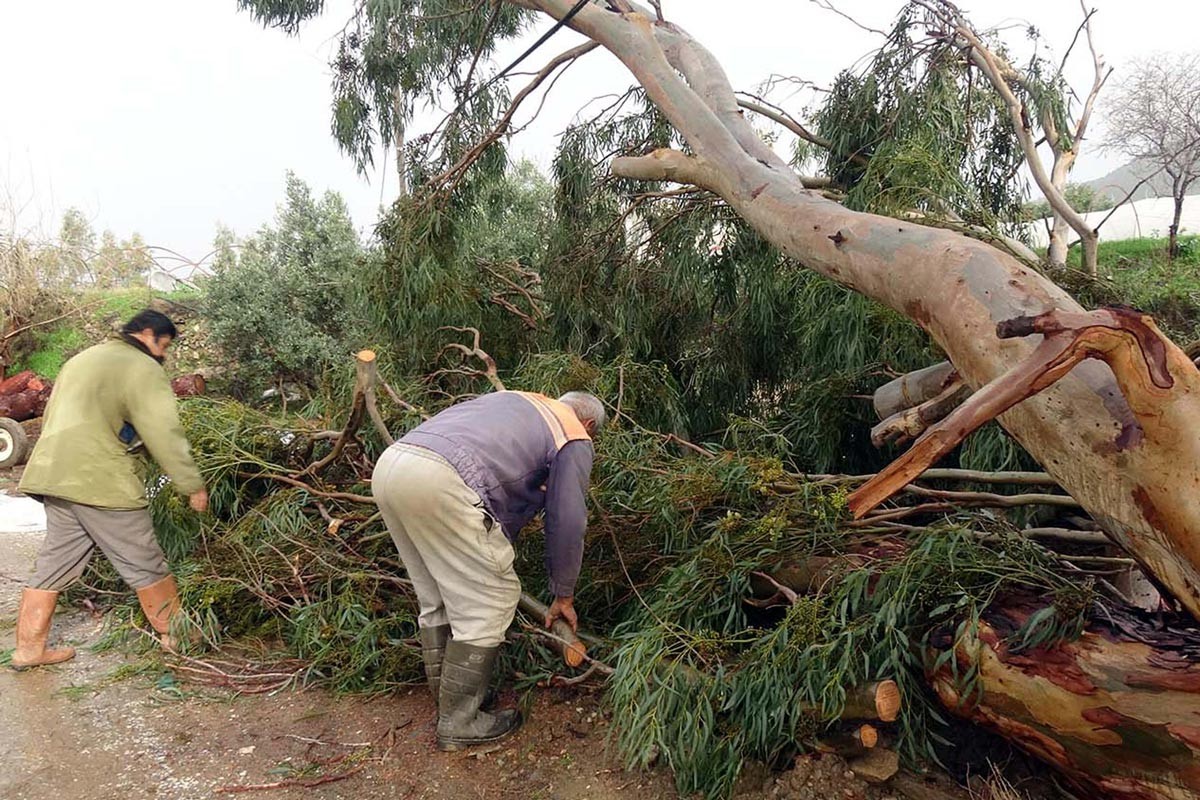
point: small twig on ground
(303, 783)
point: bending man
(108, 402)
(454, 492)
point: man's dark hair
(160, 324)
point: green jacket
(79, 456)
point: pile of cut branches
(743, 610)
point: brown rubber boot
(160, 602)
(33, 628)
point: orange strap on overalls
(559, 417)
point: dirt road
(89, 730)
(106, 726)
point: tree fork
(1159, 383)
(365, 376)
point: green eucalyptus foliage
(917, 129)
(396, 54)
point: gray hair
(586, 406)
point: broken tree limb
(365, 374)
(991, 500)
(1068, 536)
(1159, 385)
(474, 350)
(955, 288)
(913, 389)
(315, 492)
(958, 475)
(904, 426)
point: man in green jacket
(108, 403)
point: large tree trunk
(1140, 485)
(1056, 253)
(1120, 717)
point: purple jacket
(521, 453)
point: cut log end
(887, 700)
(574, 654)
(881, 701)
(365, 355)
(867, 736)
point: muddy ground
(109, 725)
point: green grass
(1141, 253)
(1136, 272)
(53, 348)
(120, 304)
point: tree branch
(668, 165)
(454, 173)
(1122, 337)
(490, 371)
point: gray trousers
(74, 531)
(457, 557)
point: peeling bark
(1119, 717)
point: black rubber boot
(466, 673)
(433, 650)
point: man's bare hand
(199, 501)
(563, 608)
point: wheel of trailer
(14, 443)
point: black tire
(14, 443)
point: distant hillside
(1118, 182)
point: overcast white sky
(168, 117)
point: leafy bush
(277, 303)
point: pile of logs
(24, 396)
